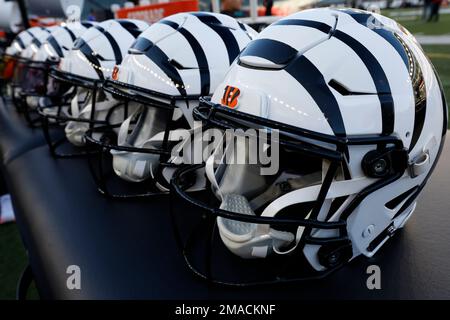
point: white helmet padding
(107, 109)
(147, 132)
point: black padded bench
(126, 250)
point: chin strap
(283, 186)
(75, 130)
(132, 166)
(124, 135)
(421, 163)
(60, 108)
(75, 107)
(125, 127)
(136, 166)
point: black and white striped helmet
(86, 66)
(22, 50)
(38, 38)
(46, 54)
(19, 44)
(172, 64)
(100, 48)
(61, 40)
(24, 39)
(361, 118)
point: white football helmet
(361, 119)
(37, 91)
(12, 53)
(171, 64)
(86, 66)
(18, 54)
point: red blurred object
(43, 22)
(8, 68)
(155, 12)
(276, 11)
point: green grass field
(416, 26)
(13, 260)
(429, 28)
(440, 56)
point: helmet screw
(368, 231)
(380, 166)
(333, 258)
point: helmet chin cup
(242, 240)
(75, 132)
(248, 240)
(32, 102)
(133, 166)
(50, 113)
(255, 247)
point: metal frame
(147, 98)
(76, 81)
(44, 66)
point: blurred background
(428, 20)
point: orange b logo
(115, 73)
(230, 96)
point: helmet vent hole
(176, 64)
(339, 87)
(394, 203)
(343, 90)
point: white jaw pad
(75, 132)
(48, 108)
(134, 166)
(32, 102)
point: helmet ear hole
(385, 162)
(375, 165)
(332, 255)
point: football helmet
(10, 55)
(85, 67)
(37, 91)
(167, 69)
(360, 118)
(16, 57)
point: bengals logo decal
(230, 96)
(115, 73)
